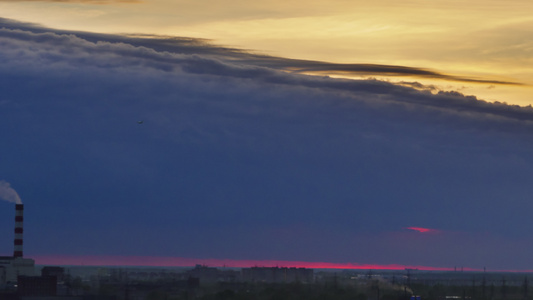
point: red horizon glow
(151, 261)
(423, 230)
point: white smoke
(8, 193)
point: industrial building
(13, 266)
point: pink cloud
(423, 230)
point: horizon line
(167, 261)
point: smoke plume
(8, 193)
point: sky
(480, 39)
(351, 134)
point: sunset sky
(479, 39)
(336, 132)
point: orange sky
(487, 39)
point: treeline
(372, 291)
(474, 292)
(289, 291)
(334, 287)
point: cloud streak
(317, 67)
(423, 230)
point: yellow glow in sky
(489, 39)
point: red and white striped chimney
(19, 218)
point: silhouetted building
(11, 267)
(16, 265)
(277, 274)
(37, 286)
(210, 274)
(57, 272)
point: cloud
(240, 160)
(202, 46)
(315, 67)
(120, 54)
(423, 230)
(328, 68)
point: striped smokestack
(19, 218)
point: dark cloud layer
(239, 159)
(196, 56)
(202, 46)
(306, 66)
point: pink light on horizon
(423, 230)
(151, 261)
